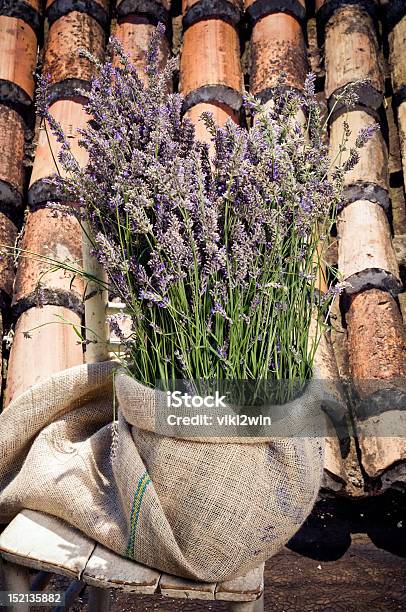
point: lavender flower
(213, 256)
(365, 135)
(115, 322)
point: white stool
(34, 540)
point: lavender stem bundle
(215, 258)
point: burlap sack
(202, 510)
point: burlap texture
(201, 510)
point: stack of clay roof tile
(53, 344)
(223, 44)
(20, 27)
(351, 35)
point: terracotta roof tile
(278, 46)
(370, 177)
(257, 9)
(18, 56)
(66, 68)
(220, 112)
(8, 236)
(12, 136)
(351, 54)
(156, 11)
(54, 235)
(366, 257)
(134, 34)
(71, 115)
(210, 64)
(377, 344)
(52, 347)
(197, 10)
(29, 11)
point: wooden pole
(97, 332)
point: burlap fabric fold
(199, 509)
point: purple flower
(211, 248)
(366, 134)
(223, 351)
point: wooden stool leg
(17, 580)
(249, 606)
(99, 599)
(40, 581)
(72, 592)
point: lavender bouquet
(215, 256)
